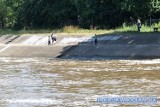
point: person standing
(139, 24)
(49, 40)
(95, 40)
(53, 37)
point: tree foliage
(99, 14)
(47, 13)
(3, 13)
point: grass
(134, 28)
(68, 29)
(19, 32)
(76, 30)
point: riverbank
(29, 45)
(114, 45)
(121, 46)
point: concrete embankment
(143, 45)
(130, 46)
(30, 51)
(29, 46)
(114, 51)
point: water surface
(39, 82)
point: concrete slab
(1, 47)
(125, 46)
(20, 39)
(129, 51)
(32, 51)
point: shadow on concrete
(12, 39)
(129, 45)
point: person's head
(139, 18)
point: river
(41, 82)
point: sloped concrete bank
(30, 51)
(143, 45)
(114, 51)
(29, 46)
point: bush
(158, 25)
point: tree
(10, 9)
(99, 13)
(48, 13)
(155, 10)
(95, 14)
(3, 13)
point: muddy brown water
(41, 82)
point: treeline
(99, 14)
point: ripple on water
(33, 102)
(111, 82)
(43, 82)
(133, 62)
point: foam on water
(32, 101)
(43, 82)
(10, 59)
(154, 61)
(111, 82)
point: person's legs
(139, 29)
(49, 43)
